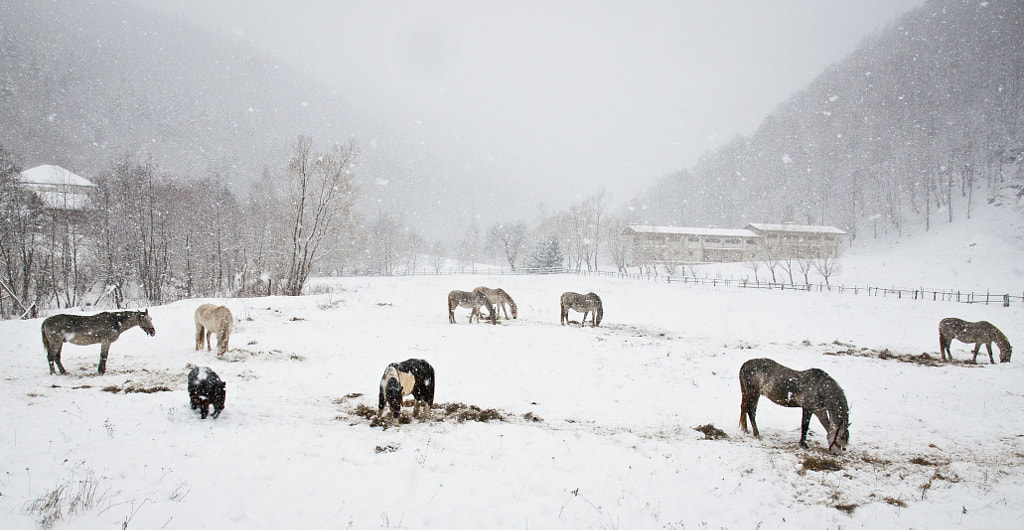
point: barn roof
(53, 176)
(814, 229)
(691, 231)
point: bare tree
(804, 265)
(382, 247)
(582, 229)
(20, 212)
(467, 248)
(321, 194)
(508, 240)
(619, 244)
(827, 264)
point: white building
(58, 188)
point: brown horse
(103, 328)
(812, 390)
(582, 303)
(471, 300)
(212, 319)
(500, 300)
(977, 332)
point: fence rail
(961, 296)
(967, 297)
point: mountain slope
(83, 84)
(922, 122)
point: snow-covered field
(598, 428)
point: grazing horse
(412, 376)
(212, 319)
(500, 300)
(812, 390)
(582, 303)
(977, 332)
(205, 388)
(472, 300)
(103, 328)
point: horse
(500, 300)
(582, 303)
(977, 332)
(812, 390)
(205, 388)
(412, 376)
(212, 319)
(103, 328)
(472, 300)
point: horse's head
(393, 395)
(146, 323)
(838, 437)
(1005, 352)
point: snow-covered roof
(692, 231)
(816, 229)
(53, 176)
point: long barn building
(675, 245)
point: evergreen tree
(547, 254)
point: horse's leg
(209, 333)
(805, 423)
(565, 315)
(977, 349)
(54, 357)
(943, 348)
(825, 420)
(104, 348)
(200, 333)
(749, 406)
(49, 354)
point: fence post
(1006, 300)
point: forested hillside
(923, 122)
(81, 85)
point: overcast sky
(548, 101)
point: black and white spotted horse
(412, 376)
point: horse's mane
(121, 318)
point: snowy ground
(598, 428)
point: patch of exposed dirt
(711, 432)
(819, 463)
(453, 413)
(136, 389)
(922, 359)
(237, 355)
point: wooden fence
(967, 297)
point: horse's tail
(944, 339)
(46, 343)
